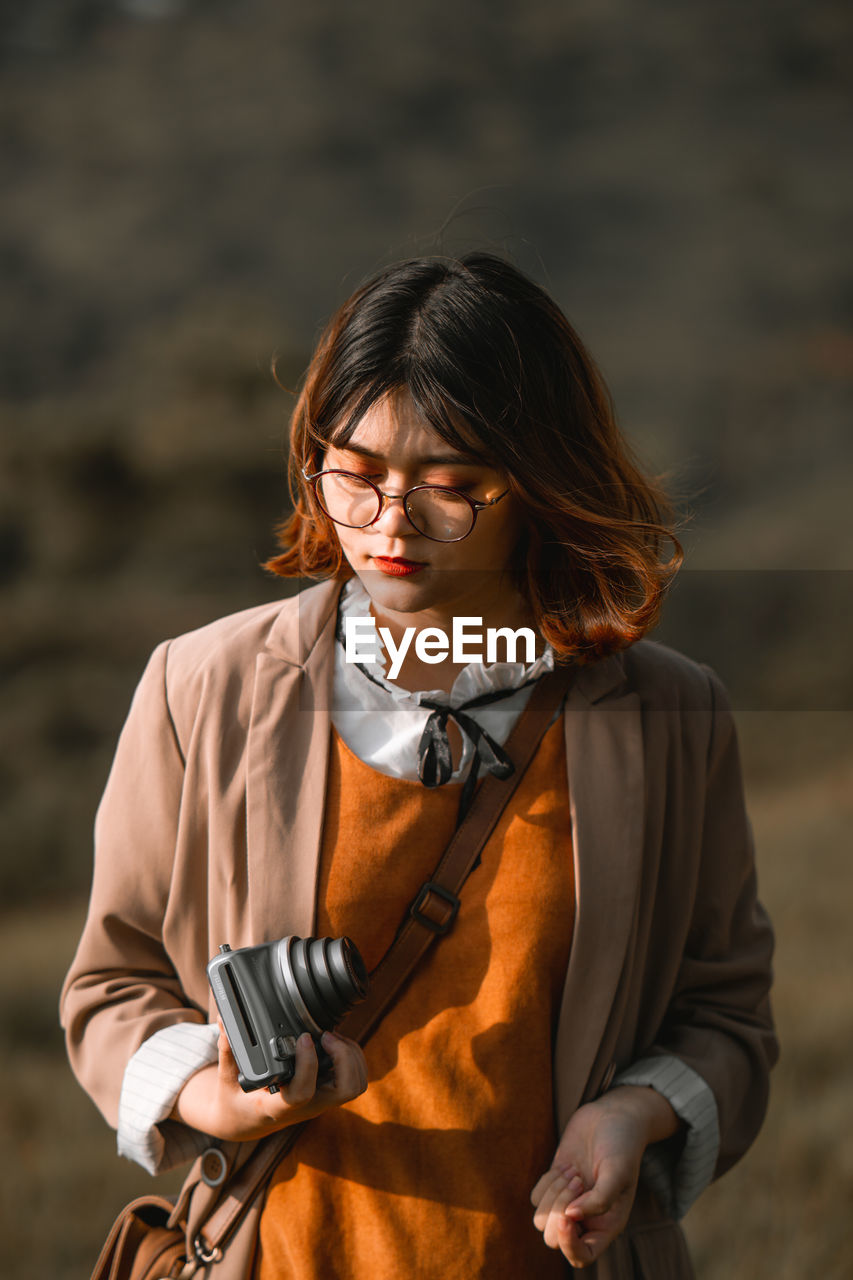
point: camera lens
(322, 979)
(347, 971)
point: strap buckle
(416, 910)
(204, 1252)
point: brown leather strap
(242, 1188)
(430, 917)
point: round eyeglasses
(439, 513)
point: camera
(268, 995)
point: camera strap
(430, 917)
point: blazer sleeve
(122, 986)
(719, 1019)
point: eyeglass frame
(474, 503)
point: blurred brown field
(188, 189)
(782, 1214)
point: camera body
(268, 995)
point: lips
(397, 568)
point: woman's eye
(462, 486)
(362, 472)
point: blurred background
(188, 190)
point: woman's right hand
(213, 1102)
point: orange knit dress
(428, 1174)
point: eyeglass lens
(437, 513)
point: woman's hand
(583, 1201)
(213, 1102)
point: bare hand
(583, 1201)
(213, 1102)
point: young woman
(590, 1042)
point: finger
(588, 1247)
(611, 1185)
(548, 1179)
(348, 1061)
(578, 1247)
(228, 1072)
(545, 1193)
(570, 1240)
(557, 1221)
(303, 1085)
(553, 1201)
(542, 1186)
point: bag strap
(429, 918)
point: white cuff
(152, 1081)
(678, 1178)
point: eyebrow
(425, 460)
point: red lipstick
(397, 567)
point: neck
(512, 612)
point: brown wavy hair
(493, 365)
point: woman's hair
(495, 368)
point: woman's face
(403, 571)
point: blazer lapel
(604, 752)
(288, 752)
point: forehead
(395, 430)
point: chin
(453, 591)
(399, 594)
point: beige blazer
(210, 826)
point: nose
(392, 519)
